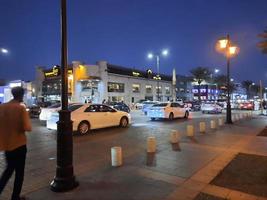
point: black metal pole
(64, 179)
(228, 109)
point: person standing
(15, 121)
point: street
(92, 151)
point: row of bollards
(116, 152)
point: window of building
(115, 87)
(148, 89)
(167, 90)
(136, 88)
(115, 98)
(181, 90)
(158, 89)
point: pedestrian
(14, 122)
(104, 101)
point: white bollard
(151, 144)
(233, 118)
(236, 117)
(202, 127)
(190, 130)
(116, 156)
(240, 116)
(174, 137)
(212, 124)
(220, 121)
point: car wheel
(124, 122)
(153, 119)
(171, 116)
(203, 112)
(186, 114)
(84, 128)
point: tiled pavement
(173, 175)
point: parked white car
(87, 117)
(45, 113)
(169, 110)
(211, 107)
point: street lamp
(64, 179)
(4, 51)
(225, 46)
(164, 52)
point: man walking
(14, 121)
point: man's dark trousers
(15, 162)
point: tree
(247, 84)
(200, 74)
(221, 81)
(263, 44)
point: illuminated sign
(17, 84)
(55, 72)
(136, 74)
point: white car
(87, 117)
(45, 113)
(211, 108)
(169, 110)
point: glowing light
(232, 50)
(3, 50)
(70, 77)
(165, 52)
(231, 79)
(216, 70)
(223, 43)
(150, 55)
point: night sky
(124, 31)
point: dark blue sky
(123, 32)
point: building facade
(103, 81)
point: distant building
(184, 87)
(94, 83)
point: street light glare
(165, 52)
(232, 50)
(150, 55)
(216, 70)
(3, 50)
(223, 43)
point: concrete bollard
(233, 118)
(212, 124)
(202, 127)
(116, 156)
(190, 130)
(151, 144)
(241, 116)
(220, 121)
(174, 137)
(236, 117)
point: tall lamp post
(225, 46)
(64, 179)
(157, 56)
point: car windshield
(160, 105)
(148, 102)
(74, 107)
(55, 106)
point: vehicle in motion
(87, 117)
(34, 111)
(246, 106)
(45, 113)
(120, 106)
(169, 110)
(147, 105)
(193, 105)
(211, 107)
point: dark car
(193, 105)
(120, 106)
(34, 111)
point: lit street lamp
(224, 45)
(64, 179)
(4, 51)
(165, 52)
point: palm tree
(263, 44)
(247, 84)
(221, 81)
(200, 74)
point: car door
(174, 109)
(109, 115)
(94, 116)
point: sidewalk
(169, 174)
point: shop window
(167, 90)
(115, 87)
(136, 88)
(148, 89)
(158, 89)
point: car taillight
(249, 105)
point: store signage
(55, 72)
(15, 84)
